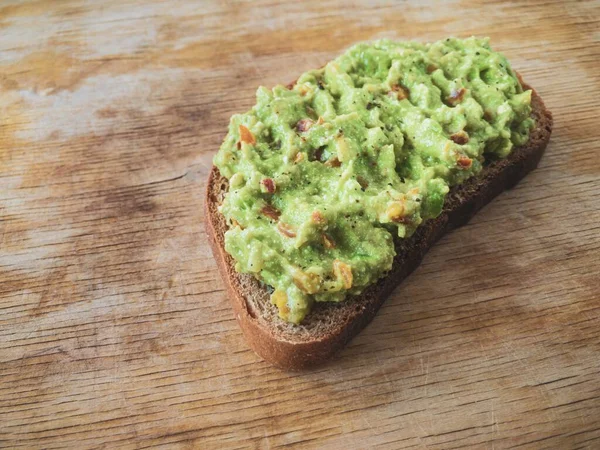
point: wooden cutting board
(114, 327)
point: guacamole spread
(326, 175)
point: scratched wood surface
(114, 328)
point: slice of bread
(329, 326)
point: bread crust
(332, 325)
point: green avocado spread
(325, 176)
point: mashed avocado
(323, 177)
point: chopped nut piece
(235, 223)
(246, 135)
(364, 184)
(399, 91)
(333, 162)
(395, 211)
(456, 96)
(343, 272)
(299, 157)
(279, 298)
(270, 212)
(464, 162)
(286, 229)
(308, 283)
(318, 218)
(303, 90)
(304, 125)
(328, 242)
(268, 184)
(321, 121)
(460, 138)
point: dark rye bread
(329, 326)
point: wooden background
(114, 328)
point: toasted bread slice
(329, 326)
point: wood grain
(114, 329)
